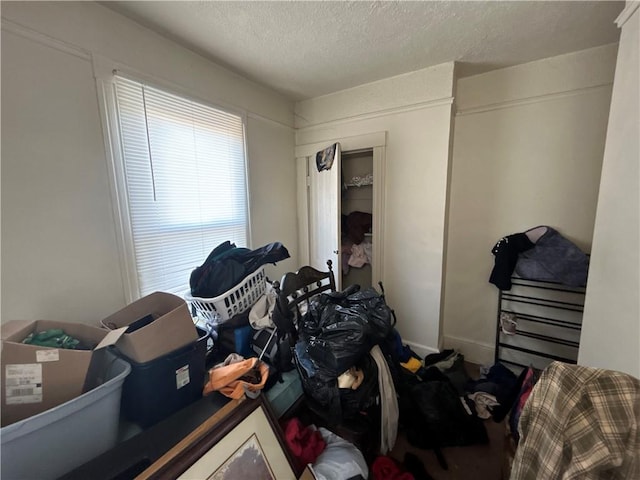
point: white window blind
(185, 175)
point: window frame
(105, 72)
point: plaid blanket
(580, 423)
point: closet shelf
(356, 185)
(357, 181)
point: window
(182, 183)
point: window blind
(185, 174)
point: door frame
(376, 141)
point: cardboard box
(36, 378)
(160, 323)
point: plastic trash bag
(340, 459)
(343, 326)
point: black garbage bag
(357, 408)
(322, 393)
(366, 396)
(367, 305)
(435, 417)
(339, 348)
(343, 326)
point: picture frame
(246, 441)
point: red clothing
(386, 468)
(305, 443)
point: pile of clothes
(227, 265)
(329, 456)
(433, 409)
(494, 393)
(356, 249)
(540, 253)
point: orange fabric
(226, 379)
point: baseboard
(473, 351)
(421, 350)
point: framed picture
(245, 443)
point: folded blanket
(555, 259)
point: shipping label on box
(182, 377)
(23, 383)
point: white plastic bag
(340, 459)
(262, 311)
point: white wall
(59, 250)
(611, 325)
(272, 191)
(415, 112)
(528, 147)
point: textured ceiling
(306, 49)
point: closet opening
(357, 217)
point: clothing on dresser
(506, 252)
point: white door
(324, 215)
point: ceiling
(304, 49)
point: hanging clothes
(356, 224)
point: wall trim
(629, 9)
(473, 351)
(530, 100)
(355, 142)
(41, 38)
(420, 349)
(377, 113)
(103, 65)
(257, 116)
(105, 68)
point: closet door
(324, 215)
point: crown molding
(629, 9)
(530, 100)
(378, 113)
(22, 31)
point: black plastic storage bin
(156, 389)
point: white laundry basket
(236, 300)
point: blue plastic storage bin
(156, 389)
(54, 442)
